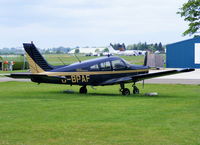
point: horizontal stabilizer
(23, 75)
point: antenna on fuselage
(77, 58)
(61, 60)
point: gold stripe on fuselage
(94, 73)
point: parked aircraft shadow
(142, 95)
(63, 95)
(92, 94)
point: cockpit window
(105, 66)
(126, 62)
(118, 65)
(94, 67)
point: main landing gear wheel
(125, 92)
(135, 90)
(83, 90)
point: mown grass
(42, 114)
(64, 59)
(58, 59)
(67, 59)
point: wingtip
(191, 69)
(187, 70)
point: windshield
(126, 62)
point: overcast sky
(52, 23)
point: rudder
(36, 61)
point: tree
(156, 45)
(97, 50)
(160, 47)
(77, 50)
(191, 13)
(106, 50)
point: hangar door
(197, 53)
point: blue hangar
(184, 54)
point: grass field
(33, 114)
(67, 59)
(61, 59)
(8, 72)
(55, 59)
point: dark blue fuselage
(100, 71)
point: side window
(94, 67)
(118, 65)
(105, 66)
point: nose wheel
(83, 90)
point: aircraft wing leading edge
(159, 74)
(136, 78)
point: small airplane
(102, 71)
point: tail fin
(36, 61)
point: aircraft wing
(23, 75)
(139, 77)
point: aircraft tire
(136, 90)
(125, 92)
(83, 90)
